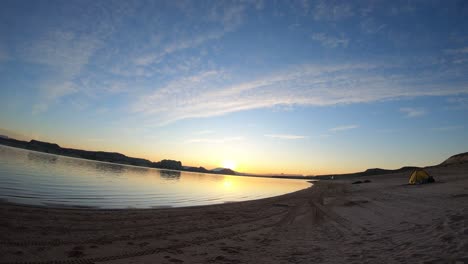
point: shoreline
(107, 157)
(307, 178)
(24, 184)
(330, 222)
(4, 202)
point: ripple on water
(35, 178)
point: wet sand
(382, 221)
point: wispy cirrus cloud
(457, 103)
(231, 16)
(411, 112)
(65, 54)
(65, 49)
(458, 55)
(211, 93)
(343, 128)
(68, 49)
(157, 56)
(330, 41)
(52, 91)
(332, 11)
(214, 140)
(285, 136)
(187, 87)
(463, 50)
(61, 49)
(370, 26)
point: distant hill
(456, 159)
(224, 171)
(112, 157)
(115, 157)
(368, 172)
(77, 153)
(196, 169)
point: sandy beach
(384, 221)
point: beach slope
(384, 221)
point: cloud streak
(171, 70)
(65, 49)
(285, 136)
(156, 57)
(209, 93)
(411, 112)
(161, 54)
(457, 51)
(330, 41)
(343, 128)
(214, 140)
(66, 54)
(332, 11)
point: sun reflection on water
(227, 183)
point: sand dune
(456, 159)
(383, 221)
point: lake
(36, 178)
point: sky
(300, 87)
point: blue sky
(274, 86)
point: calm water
(43, 179)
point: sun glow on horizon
(229, 164)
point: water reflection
(138, 170)
(42, 158)
(109, 167)
(43, 179)
(170, 175)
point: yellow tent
(419, 176)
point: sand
(384, 221)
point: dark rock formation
(196, 169)
(44, 146)
(224, 171)
(77, 153)
(13, 142)
(168, 164)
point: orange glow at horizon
(229, 164)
